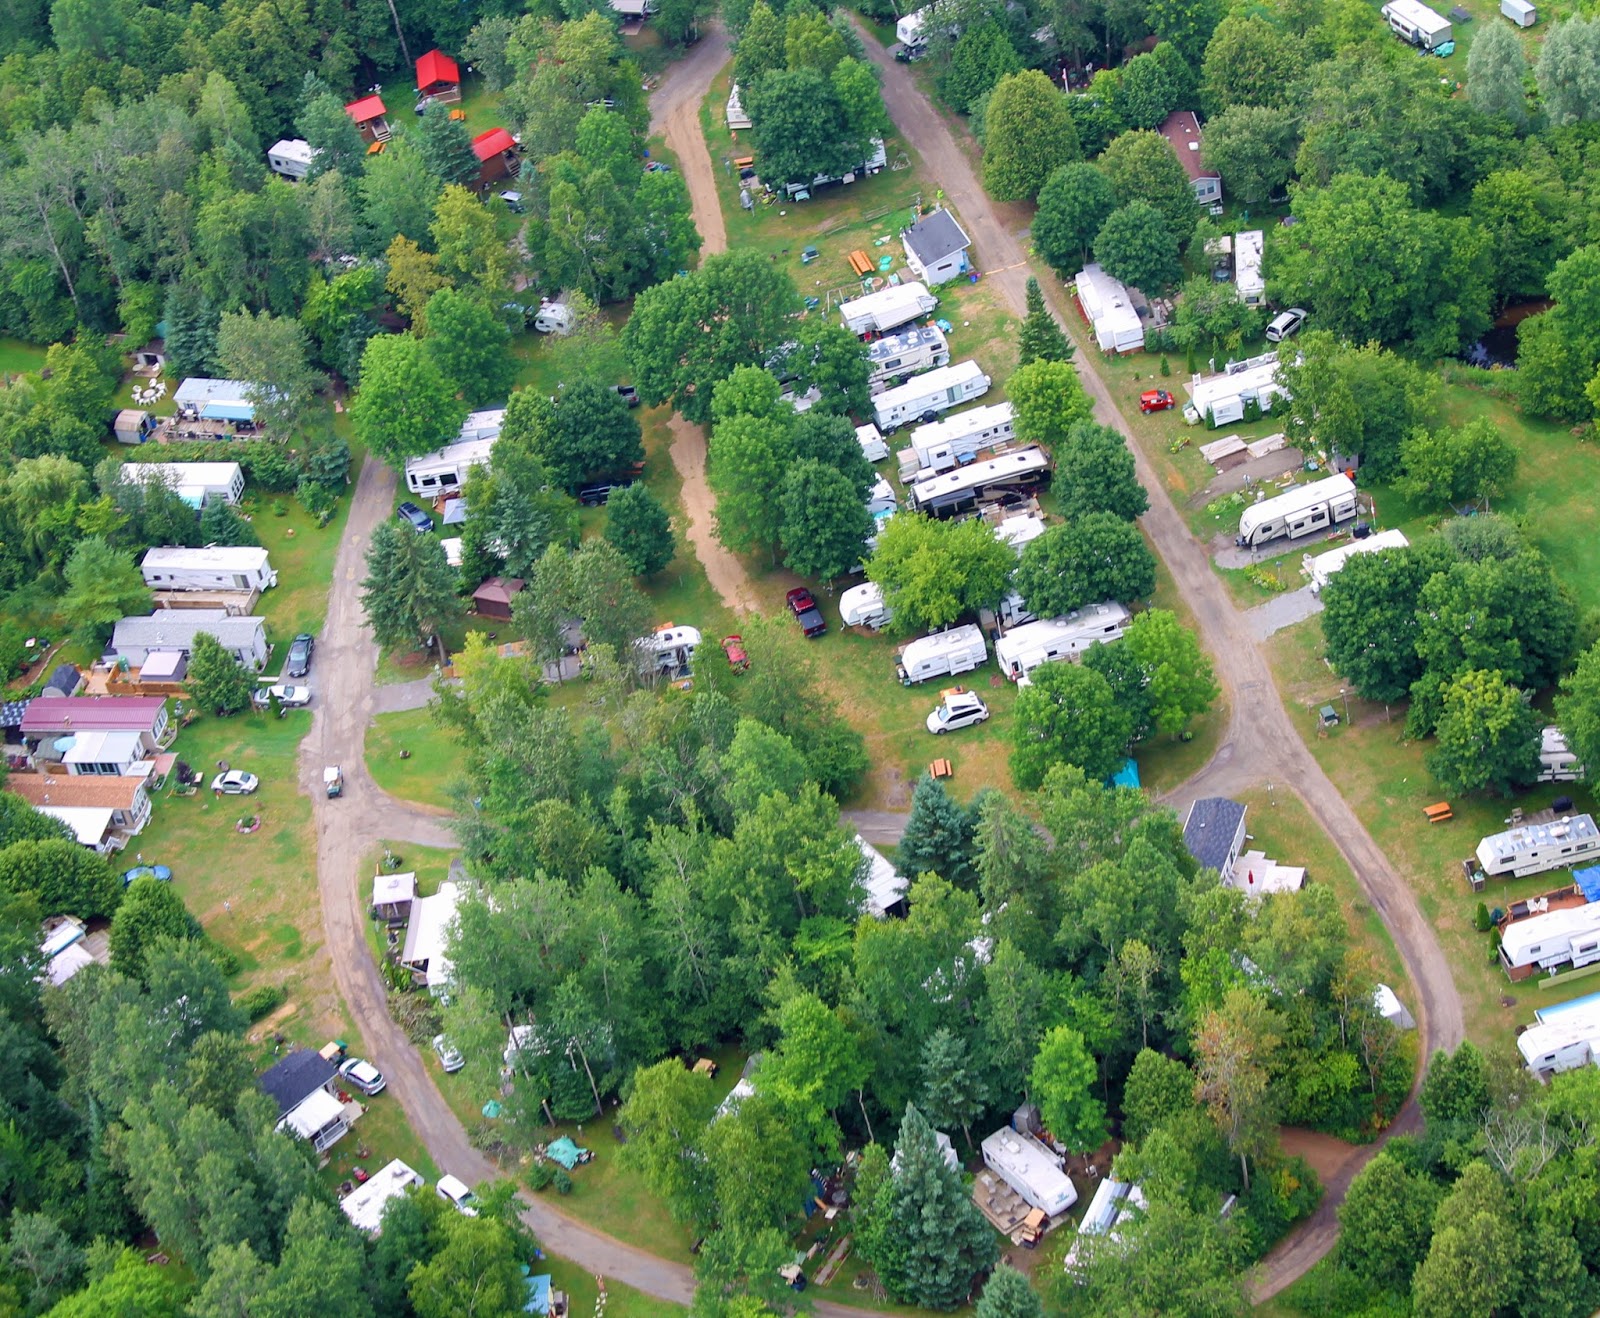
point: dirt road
(1261, 744)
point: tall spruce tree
(925, 1236)
(446, 147)
(952, 1088)
(938, 836)
(1041, 337)
(410, 591)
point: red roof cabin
(368, 114)
(438, 78)
(497, 157)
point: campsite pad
(564, 1151)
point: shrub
(227, 960)
(1480, 919)
(561, 1181)
(541, 1174)
(262, 1001)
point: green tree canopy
(932, 571)
(1041, 337)
(1062, 1082)
(409, 593)
(1096, 558)
(1028, 134)
(1487, 736)
(1067, 714)
(1049, 400)
(1135, 246)
(469, 344)
(1142, 166)
(405, 407)
(641, 529)
(825, 525)
(1074, 203)
(217, 681)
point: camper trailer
(1220, 400)
(1521, 12)
(1109, 310)
(1298, 512)
(946, 443)
(948, 387)
(873, 449)
(887, 309)
(213, 568)
(944, 654)
(1024, 648)
(875, 163)
(896, 357)
(553, 318)
(445, 471)
(1565, 938)
(1415, 22)
(1557, 762)
(1535, 848)
(668, 650)
(1319, 567)
(863, 606)
(1020, 531)
(960, 490)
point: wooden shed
(493, 598)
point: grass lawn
(582, 1292)
(255, 893)
(1386, 782)
(17, 357)
(424, 775)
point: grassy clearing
(18, 358)
(1385, 780)
(425, 773)
(583, 1291)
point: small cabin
(438, 79)
(497, 156)
(371, 117)
(133, 426)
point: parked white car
(363, 1075)
(235, 782)
(957, 708)
(454, 1191)
(289, 697)
(449, 1055)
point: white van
(1285, 324)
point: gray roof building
(1214, 833)
(134, 639)
(294, 1078)
(935, 236)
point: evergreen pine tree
(191, 336)
(223, 524)
(1041, 338)
(929, 1242)
(938, 836)
(410, 592)
(952, 1089)
(1008, 1295)
(446, 147)
(216, 680)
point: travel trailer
(863, 606)
(935, 392)
(873, 449)
(959, 650)
(1557, 762)
(1319, 567)
(1534, 848)
(1109, 310)
(887, 309)
(959, 490)
(950, 441)
(1414, 22)
(898, 356)
(1024, 648)
(1300, 511)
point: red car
(805, 609)
(733, 647)
(1155, 400)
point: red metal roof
(1181, 128)
(492, 143)
(91, 714)
(434, 68)
(368, 107)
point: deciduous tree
(1158, 1089)
(1062, 1082)
(1385, 1222)
(641, 529)
(1048, 399)
(1177, 675)
(1455, 464)
(1143, 167)
(825, 525)
(103, 584)
(1098, 557)
(666, 1114)
(469, 344)
(1028, 134)
(1488, 737)
(1234, 1049)
(1074, 202)
(1497, 72)
(405, 407)
(1568, 71)
(1067, 715)
(1252, 148)
(1250, 60)
(932, 571)
(150, 911)
(269, 352)
(1135, 246)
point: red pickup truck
(805, 609)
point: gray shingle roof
(175, 629)
(935, 237)
(295, 1078)
(1209, 830)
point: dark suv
(409, 512)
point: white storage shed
(1520, 12)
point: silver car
(449, 1055)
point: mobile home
(1220, 400)
(446, 470)
(1319, 567)
(959, 650)
(873, 449)
(948, 442)
(887, 309)
(937, 391)
(1534, 848)
(1415, 22)
(962, 489)
(896, 357)
(1564, 1044)
(1557, 762)
(216, 567)
(1109, 310)
(1247, 277)
(1024, 648)
(1299, 512)
(1566, 938)
(196, 483)
(863, 606)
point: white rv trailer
(912, 29)
(446, 470)
(863, 606)
(1020, 531)
(959, 650)
(951, 440)
(1024, 648)
(1109, 310)
(1565, 1043)
(1220, 400)
(1534, 848)
(1299, 511)
(875, 163)
(1413, 21)
(1557, 761)
(956, 491)
(1013, 612)
(1566, 937)
(1030, 1169)
(216, 567)
(898, 356)
(668, 650)
(887, 309)
(1319, 567)
(1521, 12)
(937, 391)
(873, 449)
(1247, 279)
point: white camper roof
(992, 471)
(1090, 621)
(1320, 567)
(1019, 531)
(1546, 1037)
(955, 641)
(903, 341)
(860, 603)
(1247, 248)
(1549, 932)
(1294, 499)
(871, 440)
(1497, 849)
(1023, 1161)
(364, 1206)
(882, 885)
(429, 930)
(1418, 15)
(212, 558)
(665, 639)
(911, 29)
(912, 299)
(958, 425)
(958, 375)
(1110, 310)
(1261, 377)
(292, 148)
(317, 1109)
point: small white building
(873, 449)
(102, 812)
(1248, 280)
(1219, 400)
(205, 399)
(304, 1084)
(883, 887)
(1558, 763)
(1520, 12)
(738, 119)
(1109, 310)
(196, 483)
(1319, 567)
(428, 934)
(1535, 848)
(1030, 1169)
(936, 248)
(365, 1204)
(172, 631)
(215, 567)
(290, 158)
(1562, 939)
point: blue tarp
(228, 412)
(1544, 1015)
(565, 1152)
(538, 1294)
(1588, 881)
(1126, 776)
